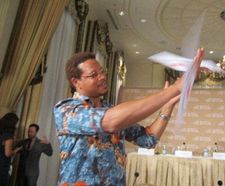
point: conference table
(169, 170)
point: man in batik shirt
(91, 134)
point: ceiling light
(211, 52)
(143, 20)
(137, 52)
(121, 13)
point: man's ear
(75, 82)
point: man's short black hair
(34, 125)
(72, 65)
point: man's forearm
(125, 114)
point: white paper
(219, 155)
(191, 40)
(180, 63)
(182, 153)
(171, 60)
(145, 151)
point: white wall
(144, 75)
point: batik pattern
(88, 154)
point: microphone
(136, 174)
(220, 182)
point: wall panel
(204, 120)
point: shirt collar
(77, 95)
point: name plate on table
(183, 153)
(219, 155)
(145, 151)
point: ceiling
(167, 23)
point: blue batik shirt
(89, 154)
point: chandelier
(219, 76)
(204, 78)
(221, 63)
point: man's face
(93, 79)
(32, 132)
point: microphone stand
(136, 174)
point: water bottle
(205, 153)
(164, 152)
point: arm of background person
(8, 147)
(46, 146)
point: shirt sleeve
(78, 119)
(137, 135)
(47, 149)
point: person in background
(7, 129)
(91, 133)
(30, 153)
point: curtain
(34, 28)
(55, 88)
(8, 8)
